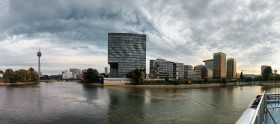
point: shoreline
(17, 83)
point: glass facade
(126, 52)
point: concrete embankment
(17, 83)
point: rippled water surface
(69, 102)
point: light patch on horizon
(73, 34)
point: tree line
(21, 75)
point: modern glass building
(126, 52)
(231, 68)
(220, 66)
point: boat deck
(272, 113)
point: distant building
(263, 67)
(209, 66)
(202, 69)
(219, 65)
(106, 70)
(186, 69)
(1, 75)
(66, 74)
(231, 68)
(75, 72)
(251, 75)
(194, 74)
(166, 69)
(126, 52)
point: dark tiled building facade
(126, 52)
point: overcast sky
(73, 33)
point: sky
(74, 33)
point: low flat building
(1, 75)
(194, 74)
(166, 69)
(116, 81)
(186, 69)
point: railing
(258, 117)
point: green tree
(91, 76)
(205, 80)
(241, 76)
(34, 76)
(22, 75)
(10, 76)
(137, 76)
(224, 80)
(1, 72)
(266, 72)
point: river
(73, 103)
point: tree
(10, 76)
(22, 75)
(241, 76)
(205, 80)
(266, 72)
(91, 76)
(137, 76)
(1, 72)
(151, 75)
(34, 75)
(272, 77)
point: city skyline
(73, 34)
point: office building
(186, 69)
(178, 70)
(231, 68)
(209, 67)
(166, 69)
(194, 74)
(66, 74)
(263, 67)
(219, 65)
(75, 72)
(126, 52)
(161, 68)
(202, 69)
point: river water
(73, 103)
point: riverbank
(17, 83)
(48, 80)
(179, 86)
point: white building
(66, 74)
(1, 75)
(209, 66)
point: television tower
(39, 54)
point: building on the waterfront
(39, 54)
(166, 69)
(126, 52)
(194, 74)
(186, 69)
(178, 70)
(161, 68)
(231, 68)
(75, 72)
(209, 66)
(263, 67)
(202, 69)
(219, 65)
(1, 75)
(66, 74)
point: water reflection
(69, 102)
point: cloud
(73, 33)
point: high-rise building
(39, 54)
(231, 68)
(263, 67)
(219, 65)
(126, 52)
(209, 66)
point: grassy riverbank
(17, 83)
